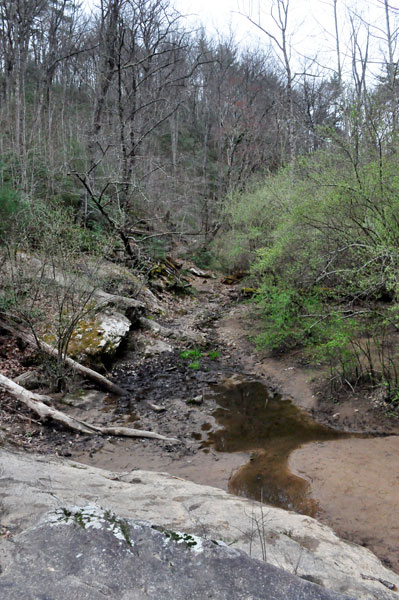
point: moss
(77, 517)
(177, 537)
(91, 517)
(88, 340)
(118, 524)
(248, 292)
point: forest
(126, 134)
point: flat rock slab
(33, 485)
(88, 553)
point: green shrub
(322, 238)
(250, 219)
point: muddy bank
(353, 483)
(361, 411)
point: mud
(165, 395)
(269, 428)
(353, 482)
(356, 482)
(330, 479)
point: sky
(311, 23)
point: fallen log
(39, 404)
(99, 379)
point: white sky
(311, 23)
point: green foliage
(194, 356)
(322, 238)
(51, 228)
(283, 310)
(7, 300)
(155, 247)
(250, 219)
(194, 365)
(193, 353)
(204, 258)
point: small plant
(194, 365)
(213, 354)
(194, 353)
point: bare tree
(279, 13)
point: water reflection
(270, 429)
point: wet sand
(355, 482)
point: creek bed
(269, 428)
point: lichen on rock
(98, 336)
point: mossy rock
(234, 277)
(248, 292)
(98, 336)
(119, 280)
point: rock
(118, 279)
(30, 380)
(150, 300)
(198, 272)
(166, 275)
(98, 336)
(191, 337)
(151, 325)
(150, 347)
(248, 292)
(234, 277)
(196, 400)
(87, 552)
(298, 544)
(130, 307)
(156, 408)
(85, 399)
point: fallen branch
(99, 379)
(38, 403)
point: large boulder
(99, 336)
(89, 553)
(31, 486)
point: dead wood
(99, 379)
(39, 404)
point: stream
(269, 428)
(239, 438)
(236, 434)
